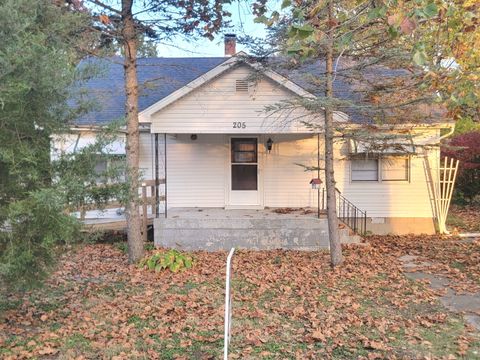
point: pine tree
(40, 43)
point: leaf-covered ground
(464, 218)
(287, 305)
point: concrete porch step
(213, 234)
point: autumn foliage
(466, 148)
(286, 305)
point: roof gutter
(452, 129)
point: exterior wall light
(193, 137)
(269, 144)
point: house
(231, 173)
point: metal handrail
(348, 213)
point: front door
(244, 172)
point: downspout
(442, 227)
(157, 197)
(76, 143)
(452, 129)
(165, 172)
(433, 181)
(318, 175)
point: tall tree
(129, 36)
(336, 257)
(125, 23)
(383, 50)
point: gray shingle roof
(348, 89)
(157, 77)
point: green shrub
(122, 246)
(33, 229)
(149, 247)
(466, 149)
(173, 260)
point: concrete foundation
(219, 229)
(401, 226)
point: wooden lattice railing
(147, 197)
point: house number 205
(239, 125)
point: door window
(244, 164)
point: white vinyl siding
(286, 183)
(147, 155)
(75, 141)
(393, 198)
(196, 170)
(198, 176)
(217, 107)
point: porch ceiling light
(269, 144)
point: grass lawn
(287, 305)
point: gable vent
(241, 85)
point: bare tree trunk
(135, 241)
(336, 257)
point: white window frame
(386, 159)
(109, 163)
(380, 179)
(365, 181)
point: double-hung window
(364, 169)
(395, 168)
(391, 168)
(111, 168)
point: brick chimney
(230, 44)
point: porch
(214, 229)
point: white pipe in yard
(228, 306)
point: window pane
(244, 150)
(367, 175)
(100, 167)
(117, 163)
(364, 170)
(395, 168)
(244, 157)
(244, 177)
(244, 146)
(365, 164)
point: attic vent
(241, 85)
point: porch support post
(157, 180)
(166, 183)
(318, 175)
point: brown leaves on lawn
(464, 219)
(286, 305)
(454, 258)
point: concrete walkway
(466, 304)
